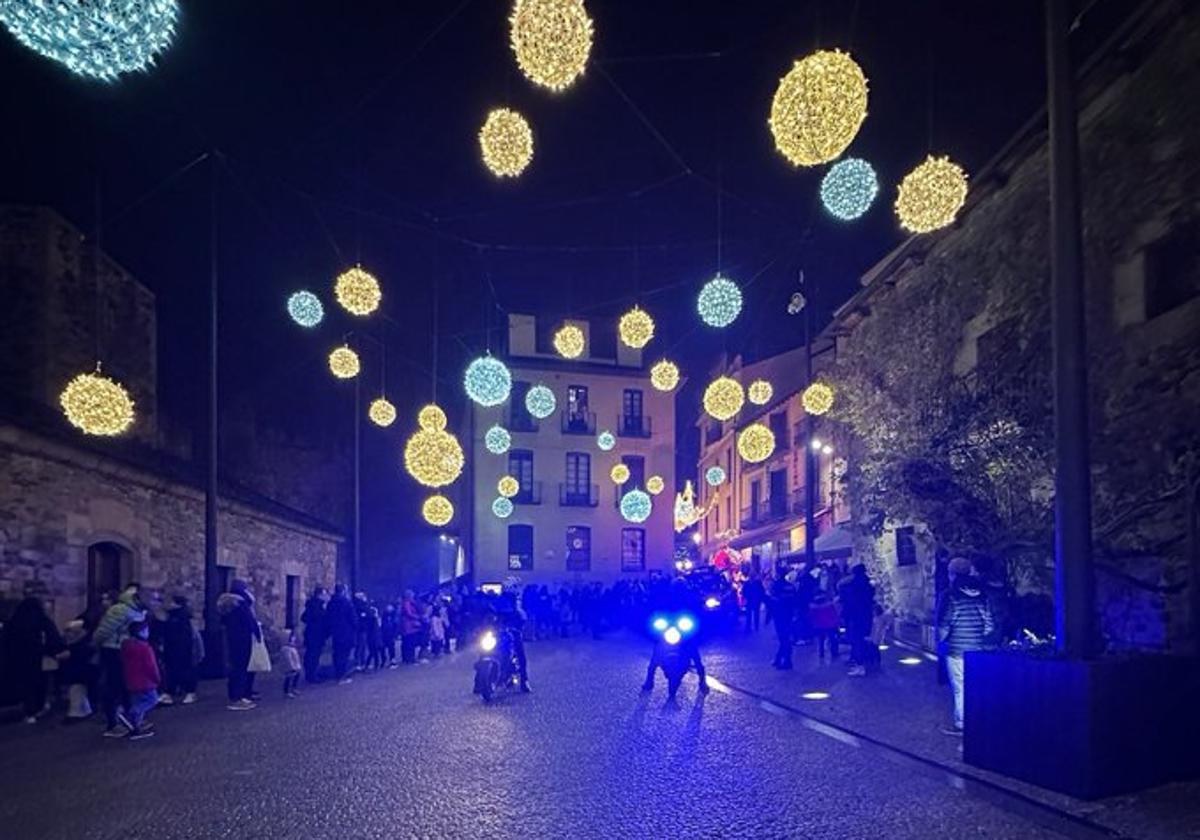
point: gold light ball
(437, 510)
(664, 376)
(97, 405)
(655, 485)
(569, 341)
(382, 412)
(433, 458)
(552, 40)
(756, 443)
(357, 291)
(817, 398)
(431, 418)
(723, 398)
(760, 392)
(931, 195)
(635, 328)
(343, 363)
(619, 474)
(508, 486)
(506, 143)
(818, 107)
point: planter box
(1085, 728)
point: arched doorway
(110, 566)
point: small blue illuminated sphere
(487, 381)
(502, 507)
(636, 506)
(99, 39)
(540, 402)
(714, 475)
(720, 302)
(497, 440)
(849, 188)
(606, 441)
(305, 309)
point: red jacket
(823, 615)
(139, 666)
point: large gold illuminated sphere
(756, 443)
(619, 474)
(433, 458)
(382, 412)
(357, 291)
(437, 510)
(508, 486)
(635, 328)
(817, 398)
(664, 376)
(760, 392)
(569, 341)
(97, 405)
(343, 363)
(506, 143)
(818, 107)
(723, 398)
(931, 195)
(431, 418)
(552, 40)
(655, 485)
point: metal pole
(356, 556)
(810, 477)
(211, 581)
(1074, 584)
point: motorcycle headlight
(487, 642)
(672, 636)
(712, 602)
(660, 624)
(685, 624)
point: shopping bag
(260, 660)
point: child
(290, 657)
(823, 617)
(437, 631)
(140, 669)
(881, 628)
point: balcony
(529, 494)
(574, 495)
(769, 510)
(579, 423)
(633, 425)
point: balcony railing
(574, 495)
(768, 510)
(529, 494)
(633, 425)
(579, 423)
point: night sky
(351, 135)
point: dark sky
(349, 133)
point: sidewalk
(903, 706)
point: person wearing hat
(964, 623)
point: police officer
(510, 617)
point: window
(520, 548)
(1172, 266)
(577, 420)
(579, 548)
(906, 546)
(520, 467)
(778, 424)
(577, 400)
(520, 420)
(631, 405)
(293, 601)
(637, 472)
(577, 489)
(633, 549)
(633, 422)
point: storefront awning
(838, 542)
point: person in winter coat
(179, 653)
(112, 630)
(964, 623)
(824, 620)
(236, 609)
(362, 630)
(374, 635)
(342, 626)
(290, 659)
(857, 595)
(28, 637)
(410, 627)
(783, 611)
(78, 673)
(754, 594)
(140, 670)
(315, 633)
(389, 629)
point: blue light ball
(305, 309)
(497, 440)
(606, 441)
(636, 506)
(714, 476)
(502, 507)
(540, 402)
(720, 302)
(849, 188)
(487, 381)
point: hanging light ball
(97, 405)
(818, 107)
(636, 506)
(849, 188)
(664, 376)
(760, 392)
(431, 418)
(817, 398)
(619, 473)
(635, 328)
(487, 381)
(931, 195)
(569, 341)
(655, 485)
(437, 510)
(540, 402)
(99, 40)
(552, 40)
(506, 143)
(497, 440)
(382, 412)
(502, 508)
(605, 441)
(715, 476)
(756, 443)
(343, 363)
(720, 302)
(305, 308)
(357, 291)
(508, 486)
(433, 458)
(723, 398)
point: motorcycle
(497, 668)
(670, 653)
